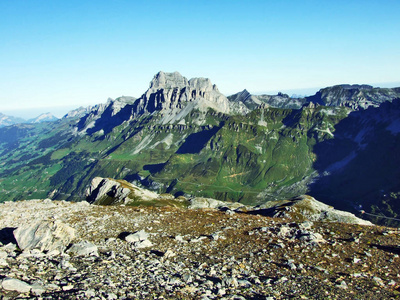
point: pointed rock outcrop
(105, 191)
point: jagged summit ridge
(356, 96)
(175, 97)
(173, 80)
(164, 80)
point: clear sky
(71, 53)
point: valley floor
(197, 254)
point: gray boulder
(83, 248)
(139, 239)
(12, 284)
(137, 236)
(44, 235)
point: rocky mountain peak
(175, 97)
(241, 96)
(46, 117)
(202, 84)
(356, 96)
(168, 80)
(9, 120)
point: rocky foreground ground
(65, 250)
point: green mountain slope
(184, 137)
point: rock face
(175, 97)
(245, 97)
(105, 191)
(306, 207)
(44, 235)
(170, 94)
(356, 97)
(102, 118)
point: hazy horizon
(60, 111)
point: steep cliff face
(174, 97)
(169, 100)
(103, 117)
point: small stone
(90, 293)
(392, 282)
(38, 289)
(3, 254)
(378, 281)
(143, 244)
(169, 253)
(52, 287)
(137, 236)
(282, 279)
(199, 239)
(67, 287)
(244, 283)
(356, 260)
(342, 285)
(179, 238)
(83, 248)
(229, 212)
(221, 292)
(187, 278)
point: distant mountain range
(10, 120)
(184, 137)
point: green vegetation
(268, 154)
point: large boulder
(12, 284)
(45, 235)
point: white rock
(143, 244)
(44, 235)
(83, 248)
(11, 284)
(38, 289)
(137, 236)
(169, 253)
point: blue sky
(58, 55)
